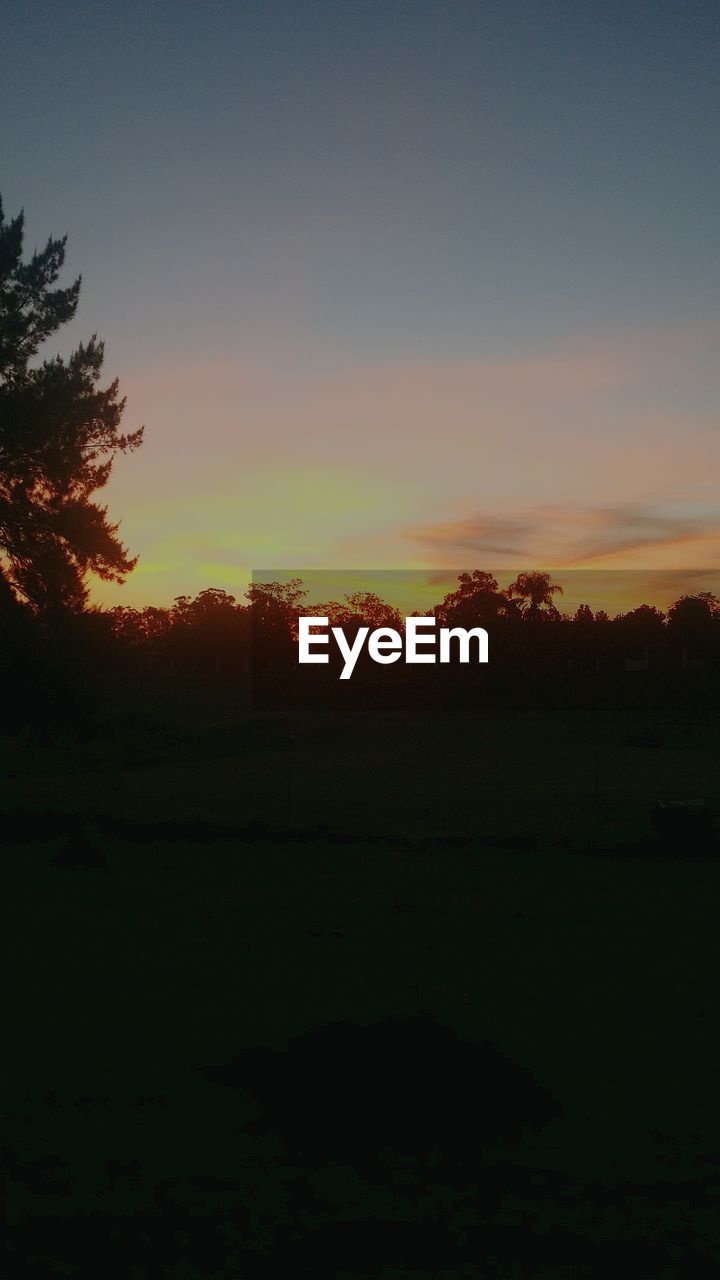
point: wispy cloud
(623, 536)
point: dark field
(523, 954)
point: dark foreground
(311, 998)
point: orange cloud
(624, 536)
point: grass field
(185, 889)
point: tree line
(217, 632)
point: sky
(393, 285)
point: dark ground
(387, 995)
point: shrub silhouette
(402, 1089)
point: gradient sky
(391, 284)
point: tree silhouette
(274, 611)
(641, 627)
(477, 601)
(59, 434)
(693, 621)
(373, 611)
(536, 591)
(209, 632)
(584, 615)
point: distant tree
(338, 612)
(694, 621)
(583, 615)
(274, 608)
(207, 633)
(535, 590)
(140, 626)
(477, 601)
(477, 580)
(712, 602)
(274, 603)
(155, 623)
(126, 623)
(207, 607)
(641, 627)
(373, 611)
(59, 435)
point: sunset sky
(391, 284)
